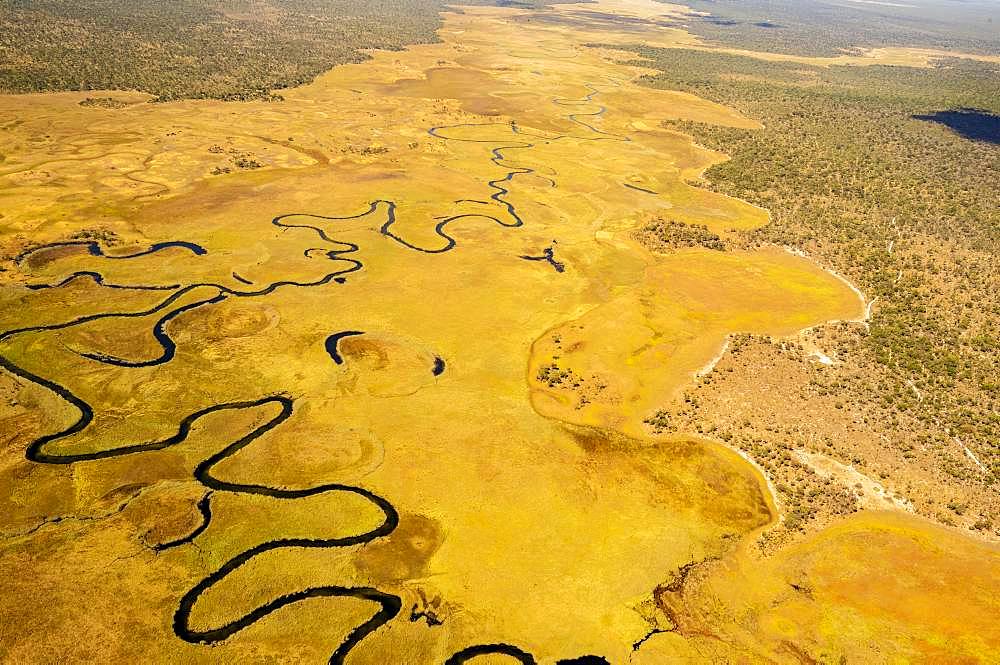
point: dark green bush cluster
(665, 233)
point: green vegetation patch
(665, 234)
(221, 49)
(854, 174)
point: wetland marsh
(381, 394)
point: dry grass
(521, 521)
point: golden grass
(526, 519)
(643, 347)
(877, 587)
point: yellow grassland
(527, 516)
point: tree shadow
(974, 124)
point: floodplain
(364, 376)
